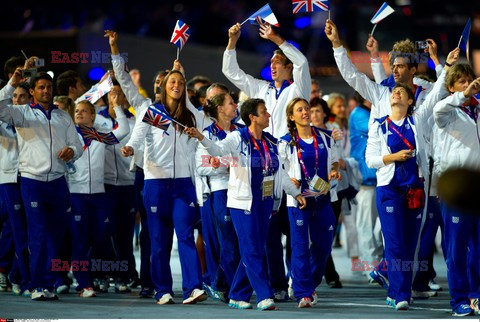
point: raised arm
(378, 70)
(444, 111)
(131, 91)
(11, 114)
(232, 71)
(370, 90)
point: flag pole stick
(244, 21)
(178, 52)
(24, 55)
(373, 30)
(329, 14)
(460, 41)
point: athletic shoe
(87, 292)
(49, 295)
(305, 302)
(291, 294)
(280, 296)
(26, 293)
(104, 285)
(434, 286)
(146, 292)
(266, 305)
(314, 298)
(462, 310)
(134, 282)
(196, 296)
(166, 299)
(122, 288)
(221, 296)
(423, 294)
(401, 306)
(38, 295)
(209, 290)
(242, 305)
(3, 283)
(390, 302)
(16, 289)
(474, 306)
(335, 284)
(63, 289)
(376, 277)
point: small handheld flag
(463, 43)
(310, 5)
(266, 14)
(157, 117)
(95, 93)
(180, 35)
(382, 13)
(90, 133)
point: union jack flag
(180, 34)
(310, 5)
(155, 117)
(95, 93)
(90, 133)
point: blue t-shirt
(256, 165)
(308, 155)
(406, 172)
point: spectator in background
(368, 225)
(316, 90)
(69, 84)
(66, 104)
(11, 65)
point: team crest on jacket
(227, 218)
(153, 209)
(247, 212)
(299, 222)
(34, 204)
(389, 210)
(455, 220)
(17, 206)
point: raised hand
(112, 40)
(16, 77)
(331, 32)
(233, 35)
(337, 134)
(267, 32)
(178, 66)
(372, 46)
(453, 56)
(194, 133)
(473, 88)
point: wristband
(447, 64)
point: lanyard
(469, 108)
(266, 164)
(399, 134)
(300, 158)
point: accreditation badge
(317, 184)
(267, 187)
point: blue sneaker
(390, 302)
(242, 305)
(462, 310)
(376, 277)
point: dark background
(145, 28)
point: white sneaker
(305, 302)
(434, 286)
(26, 293)
(423, 294)
(38, 295)
(280, 296)
(242, 305)
(196, 296)
(50, 296)
(16, 289)
(401, 306)
(63, 289)
(266, 305)
(3, 283)
(315, 298)
(87, 292)
(166, 299)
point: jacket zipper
(51, 148)
(89, 172)
(116, 167)
(174, 150)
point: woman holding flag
(90, 211)
(256, 184)
(306, 151)
(169, 193)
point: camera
(32, 72)
(421, 44)
(40, 62)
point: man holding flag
(290, 79)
